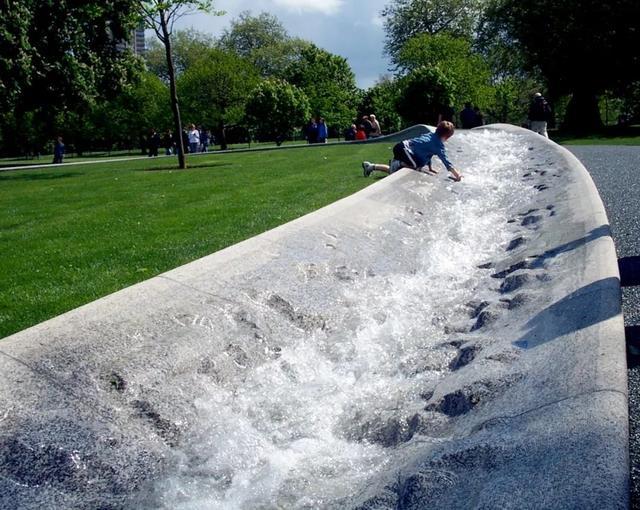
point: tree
(424, 93)
(276, 108)
(139, 108)
(161, 15)
(16, 53)
(51, 67)
(581, 47)
(381, 100)
(187, 47)
(511, 98)
(328, 82)
(248, 33)
(404, 19)
(264, 41)
(215, 88)
(467, 71)
(631, 102)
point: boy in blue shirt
(417, 153)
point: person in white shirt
(375, 127)
(194, 139)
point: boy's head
(445, 130)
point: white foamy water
(325, 425)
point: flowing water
(332, 419)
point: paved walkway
(75, 163)
(615, 171)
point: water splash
(333, 417)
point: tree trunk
(583, 113)
(177, 122)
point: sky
(349, 28)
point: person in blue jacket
(323, 131)
(416, 153)
(58, 151)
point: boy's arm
(448, 165)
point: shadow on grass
(39, 177)
(189, 167)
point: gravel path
(616, 172)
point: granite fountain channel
(422, 343)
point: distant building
(136, 42)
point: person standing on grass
(350, 133)
(468, 117)
(539, 115)
(376, 130)
(153, 143)
(167, 143)
(416, 153)
(204, 139)
(323, 131)
(479, 117)
(311, 131)
(194, 138)
(58, 151)
(185, 140)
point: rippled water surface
(334, 417)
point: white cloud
(323, 6)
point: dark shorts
(401, 154)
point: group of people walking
(193, 140)
(367, 127)
(316, 130)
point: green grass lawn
(69, 235)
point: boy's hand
(455, 175)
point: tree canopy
(264, 41)
(581, 47)
(467, 70)
(404, 19)
(328, 82)
(276, 108)
(248, 33)
(187, 46)
(51, 65)
(215, 88)
(381, 99)
(425, 93)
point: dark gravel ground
(616, 172)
